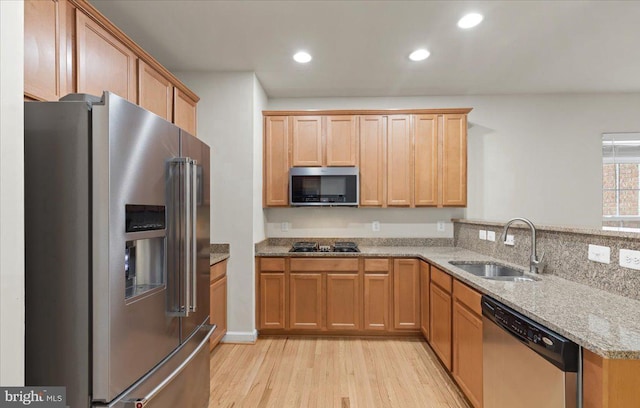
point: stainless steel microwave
(324, 186)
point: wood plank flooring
(283, 372)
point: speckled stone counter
(605, 323)
(218, 253)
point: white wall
(259, 104)
(537, 156)
(11, 194)
(226, 123)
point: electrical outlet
(599, 253)
(491, 236)
(511, 240)
(284, 226)
(375, 226)
(482, 235)
(630, 259)
(440, 226)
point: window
(621, 181)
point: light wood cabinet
(373, 156)
(306, 303)
(276, 161)
(425, 153)
(425, 281)
(376, 301)
(467, 342)
(399, 161)
(104, 62)
(218, 302)
(271, 310)
(307, 141)
(344, 309)
(341, 141)
(45, 57)
(406, 294)
(440, 319)
(454, 161)
(184, 111)
(155, 91)
(609, 383)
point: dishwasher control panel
(557, 349)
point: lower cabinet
(218, 302)
(406, 294)
(305, 301)
(440, 315)
(271, 309)
(425, 281)
(344, 310)
(376, 301)
(467, 342)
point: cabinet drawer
(272, 264)
(441, 279)
(376, 265)
(467, 296)
(324, 265)
(218, 270)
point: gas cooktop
(306, 246)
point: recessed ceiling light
(302, 57)
(419, 55)
(470, 20)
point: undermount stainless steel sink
(494, 271)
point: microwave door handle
(194, 241)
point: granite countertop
(602, 322)
(218, 253)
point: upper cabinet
(307, 141)
(69, 46)
(104, 62)
(155, 91)
(184, 111)
(342, 140)
(44, 49)
(406, 158)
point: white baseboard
(240, 337)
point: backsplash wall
(565, 252)
(357, 222)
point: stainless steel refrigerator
(117, 255)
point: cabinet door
(467, 352)
(184, 111)
(104, 63)
(454, 161)
(218, 310)
(376, 302)
(399, 161)
(373, 156)
(440, 321)
(425, 131)
(307, 141)
(406, 294)
(155, 92)
(305, 301)
(425, 281)
(344, 308)
(44, 49)
(276, 161)
(272, 314)
(342, 141)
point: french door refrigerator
(117, 255)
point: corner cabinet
(440, 315)
(407, 158)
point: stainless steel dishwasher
(524, 363)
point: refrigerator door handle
(194, 238)
(142, 402)
(188, 235)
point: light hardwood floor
(302, 372)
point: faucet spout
(536, 265)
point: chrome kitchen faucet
(536, 265)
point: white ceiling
(360, 48)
